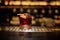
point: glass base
(25, 27)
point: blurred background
(45, 22)
(43, 12)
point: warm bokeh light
(12, 3)
(43, 11)
(16, 2)
(0, 1)
(44, 3)
(6, 3)
(35, 10)
(55, 16)
(25, 3)
(56, 11)
(15, 20)
(50, 11)
(14, 10)
(28, 10)
(55, 3)
(21, 10)
(6, 28)
(32, 17)
(33, 22)
(58, 3)
(57, 21)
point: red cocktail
(25, 21)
